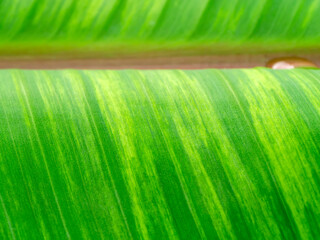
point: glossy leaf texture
(169, 154)
(227, 26)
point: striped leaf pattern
(219, 25)
(171, 154)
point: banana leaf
(168, 154)
(113, 27)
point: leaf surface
(130, 26)
(207, 154)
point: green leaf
(209, 154)
(113, 26)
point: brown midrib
(147, 62)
